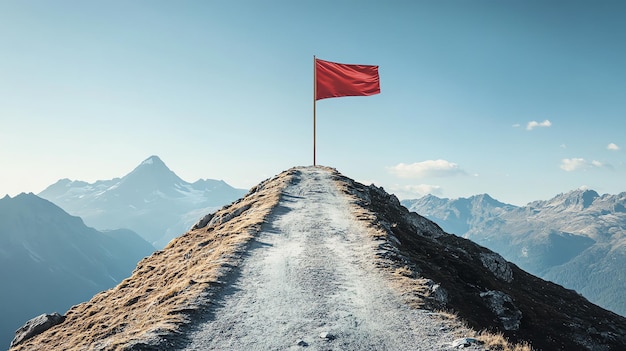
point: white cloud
(423, 189)
(429, 168)
(516, 125)
(574, 164)
(533, 124)
(612, 146)
(416, 191)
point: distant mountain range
(50, 260)
(576, 239)
(151, 200)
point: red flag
(338, 79)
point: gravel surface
(309, 282)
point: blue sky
(518, 99)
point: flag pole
(314, 99)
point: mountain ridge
(178, 287)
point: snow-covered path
(311, 271)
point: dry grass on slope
(417, 291)
(149, 308)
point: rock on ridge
(497, 265)
(503, 306)
(36, 326)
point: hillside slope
(355, 257)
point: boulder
(497, 265)
(465, 342)
(36, 326)
(502, 305)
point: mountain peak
(29, 205)
(154, 163)
(588, 196)
(487, 199)
(153, 169)
(431, 196)
(24, 198)
(483, 196)
(153, 160)
(580, 198)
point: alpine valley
(576, 239)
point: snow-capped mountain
(50, 260)
(577, 239)
(151, 200)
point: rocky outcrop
(497, 265)
(502, 305)
(36, 326)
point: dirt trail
(309, 272)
